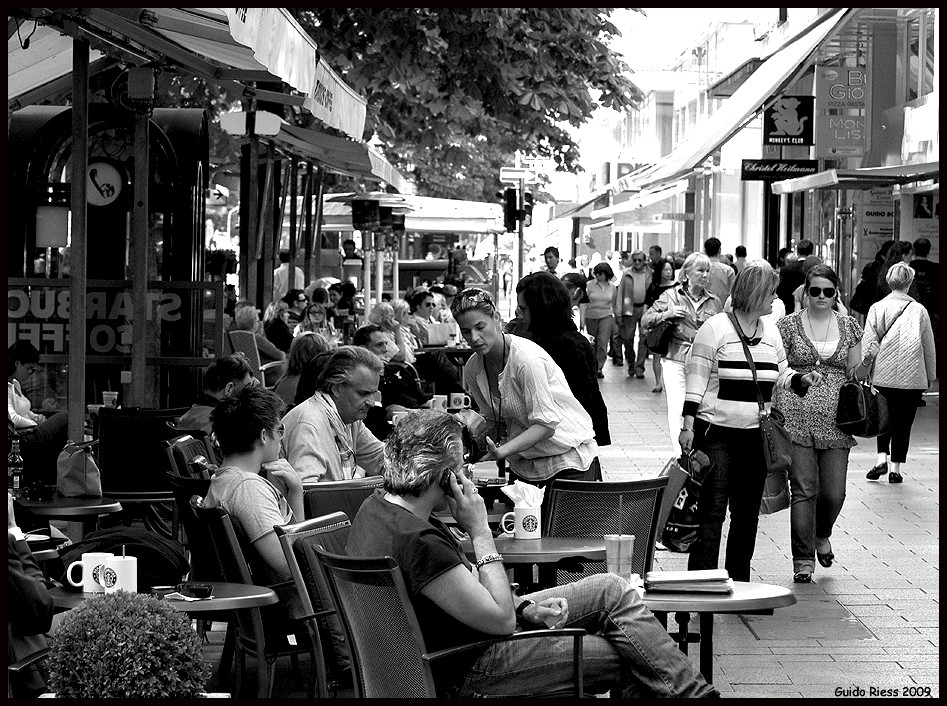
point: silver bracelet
(488, 559)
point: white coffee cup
(110, 399)
(439, 402)
(458, 400)
(120, 574)
(523, 522)
(92, 565)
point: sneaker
(895, 477)
(878, 471)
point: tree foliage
(454, 92)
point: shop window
(919, 64)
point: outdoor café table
(84, 510)
(522, 554)
(749, 598)
(226, 596)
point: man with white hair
(325, 436)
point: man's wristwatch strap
(523, 606)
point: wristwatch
(523, 606)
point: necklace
(816, 339)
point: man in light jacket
(325, 437)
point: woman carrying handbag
(905, 366)
(722, 415)
(818, 338)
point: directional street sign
(514, 174)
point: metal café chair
(389, 657)
(299, 541)
(345, 496)
(595, 508)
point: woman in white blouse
(536, 424)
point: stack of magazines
(703, 581)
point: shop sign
(41, 316)
(838, 88)
(788, 121)
(840, 136)
(776, 169)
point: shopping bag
(77, 476)
(682, 524)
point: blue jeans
(817, 482)
(737, 479)
(626, 648)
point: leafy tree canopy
(454, 92)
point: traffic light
(527, 209)
(510, 209)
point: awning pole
(395, 273)
(367, 238)
(139, 235)
(78, 247)
(317, 243)
(379, 270)
(307, 230)
(293, 221)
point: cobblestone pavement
(867, 625)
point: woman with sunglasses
(536, 423)
(316, 320)
(818, 338)
(722, 416)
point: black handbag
(658, 338)
(777, 444)
(862, 410)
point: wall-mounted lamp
(52, 215)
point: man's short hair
(657, 248)
(363, 336)
(348, 241)
(423, 447)
(551, 249)
(712, 247)
(417, 298)
(922, 247)
(238, 419)
(804, 248)
(740, 251)
(224, 370)
(284, 256)
(343, 362)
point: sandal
(659, 388)
(802, 577)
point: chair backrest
(384, 637)
(200, 546)
(595, 508)
(245, 342)
(299, 541)
(233, 565)
(131, 459)
(338, 495)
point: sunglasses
(469, 298)
(816, 291)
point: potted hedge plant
(127, 645)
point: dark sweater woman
(544, 307)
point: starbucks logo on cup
(530, 523)
(98, 574)
(109, 577)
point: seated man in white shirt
(326, 438)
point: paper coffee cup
(120, 574)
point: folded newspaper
(701, 581)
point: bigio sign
(842, 96)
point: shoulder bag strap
(749, 360)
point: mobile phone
(445, 484)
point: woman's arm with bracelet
(525, 440)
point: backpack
(161, 561)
